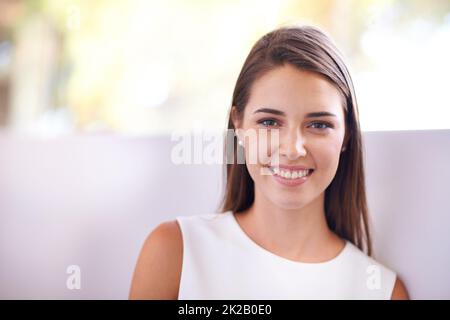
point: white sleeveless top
(220, 261)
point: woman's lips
(291, 182)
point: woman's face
(282, 100)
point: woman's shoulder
(359, 257)
(203, 223)
(374, 268)
(157, 273)
(203, 217)
(166, 235)
(158, 270)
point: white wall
(408, 185)
(91, 201)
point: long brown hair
(307, 48)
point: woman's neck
(299, 235)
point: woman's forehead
(294, 91)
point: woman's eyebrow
(269, 110)
(308, 115)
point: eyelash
(328, 125)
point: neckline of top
(266, 252)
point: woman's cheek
(264, 149)
(258, 146)
(326, 157)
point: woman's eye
(268, 122)
(322, 125)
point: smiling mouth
(288, 174)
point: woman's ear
(235, 118)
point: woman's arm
(399, 292)
(158, 269)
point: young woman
(293, 224)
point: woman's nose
(292, 145)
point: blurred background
(151, 67)
(91, 91)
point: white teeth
(287, 174)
